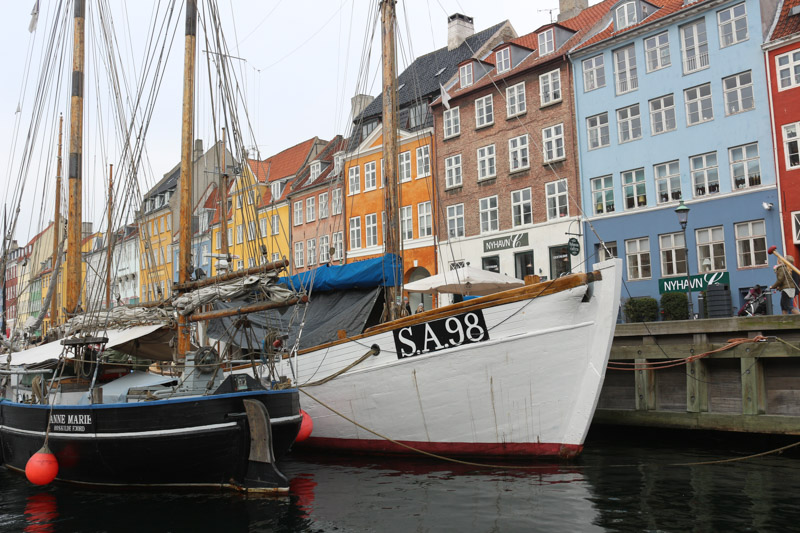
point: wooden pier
(752, 387)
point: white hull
(531, 388)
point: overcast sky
(298, 70)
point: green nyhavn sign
(699, 283)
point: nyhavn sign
(698, 283)
(517, 240)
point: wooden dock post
(697, 379)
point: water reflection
(41, 512)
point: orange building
(365, 227)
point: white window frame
(262, 227)
(594, 73)
(298, 213)
(557, 194)
(668, 182)
(553, 143)
(708, 173)
(425, 219)
(337, 202)
(484, 111)
(515, 100)
(311, 252)
(521, 207)
(602, 192)
(315, 170)
(353, 180)
(311, 209)
(791, 145)
(406, 223)
(788, 68)
(487, 162)
(324, 249)
(670, 246)
(751, 247)
(518, 153)
(251, 230)
(637, 259)
(656, 52)
(404, 166)
(625, 73)
(323, 205)
(275, 224)
(698, 104)
(239, 235)
(738, 93)
(707, 247)
(734, 15)
(453, 175)
(370, 176)
(626, 15)
(694, 54)
(746, 164)
(371, 230)
(796, 226)
(547, 43)
(423, 161)
(452, 122)
(489, 214)
(550, 87)
(338, 245)
(503, 59)
(455, 221)
(598, 134)
(662, 114)
(299, 255)
(629, 124)
(634, 188)
(355, 233)
(465, 75)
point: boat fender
(42, 467)
(376, 350)
(306, 427)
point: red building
(782, 54)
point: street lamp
(683, 218)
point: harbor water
(622, 482)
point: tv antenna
(550, 11)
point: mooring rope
(658, 365)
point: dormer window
(367, 128)
(417, 115)
(316, 167)
(338, 160)
(626, 15)
(546, 42)
(465, 74)
(276, 188)
(503, 59)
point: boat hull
(191, 442)
(528, 387)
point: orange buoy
(306, 427)
(42, 467)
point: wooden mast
(224, 201)
(56, 228)
(110, 238)
(184, 253)
(74, 271)
(392, 194)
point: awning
(117, 338)
(466, 280)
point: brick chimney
(570, 8)
(459, 27)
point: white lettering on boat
(70, 423)
(457, 330)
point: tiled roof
(580, 24)
(283, 164)
(300, 183)
(787, 25)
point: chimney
(359, 103)
(459, 27)
(198, 149)
(570, 8)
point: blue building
(672, 105)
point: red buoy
(306, 427)
(42, 467)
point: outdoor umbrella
(465, 280)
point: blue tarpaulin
(365, 274)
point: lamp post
(683, 218)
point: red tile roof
(787, 25)
(338, 144)
(283, 164)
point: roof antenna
(550, 11)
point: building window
(465, 75)
(311, 209)
(311, 251)
(553, 143)
(316, 166)
(367, 128)
(406, 223)
(219, 240)
(668, 182)
(546, 42)
(299, 255)
(354, 179)
(262, 227)
(637, 254)
(597, 131)
(404, 166)
(791, 145)
(238, 206)
(625, 70)
(488, 213)
(796, 226)
(239, 235)
(788, 66)
(523, 264)
(275, 224)
(355, 233)
(732, 25)
(491, 263)
(251, 231)
(606, 250)
(662, 114)
(455, 220)
(550, 87)
(594, 73)
(425, 219)
(503, 59)
(515, 100)
(705, 175)
(484, 111)
(487, 167)
(738, 93)
(370, 179)
(452, 122)
(656, 50)
(557, 196)
(521, 207)
(452, 169)
(751, 244)
(518, 153)
(745, 166)
(276, 256)
(338, 246)
(324, 249)
(603, 195)
(626, 15)
(338, 162)
(673, 254)
(423, 161)
(694, 46)
(417, 115)
(337, 202)
(710, 249)
(633, 188)
(298, 213)
(323, 205)
(629, 124)
(698, 104)
(371, 229)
